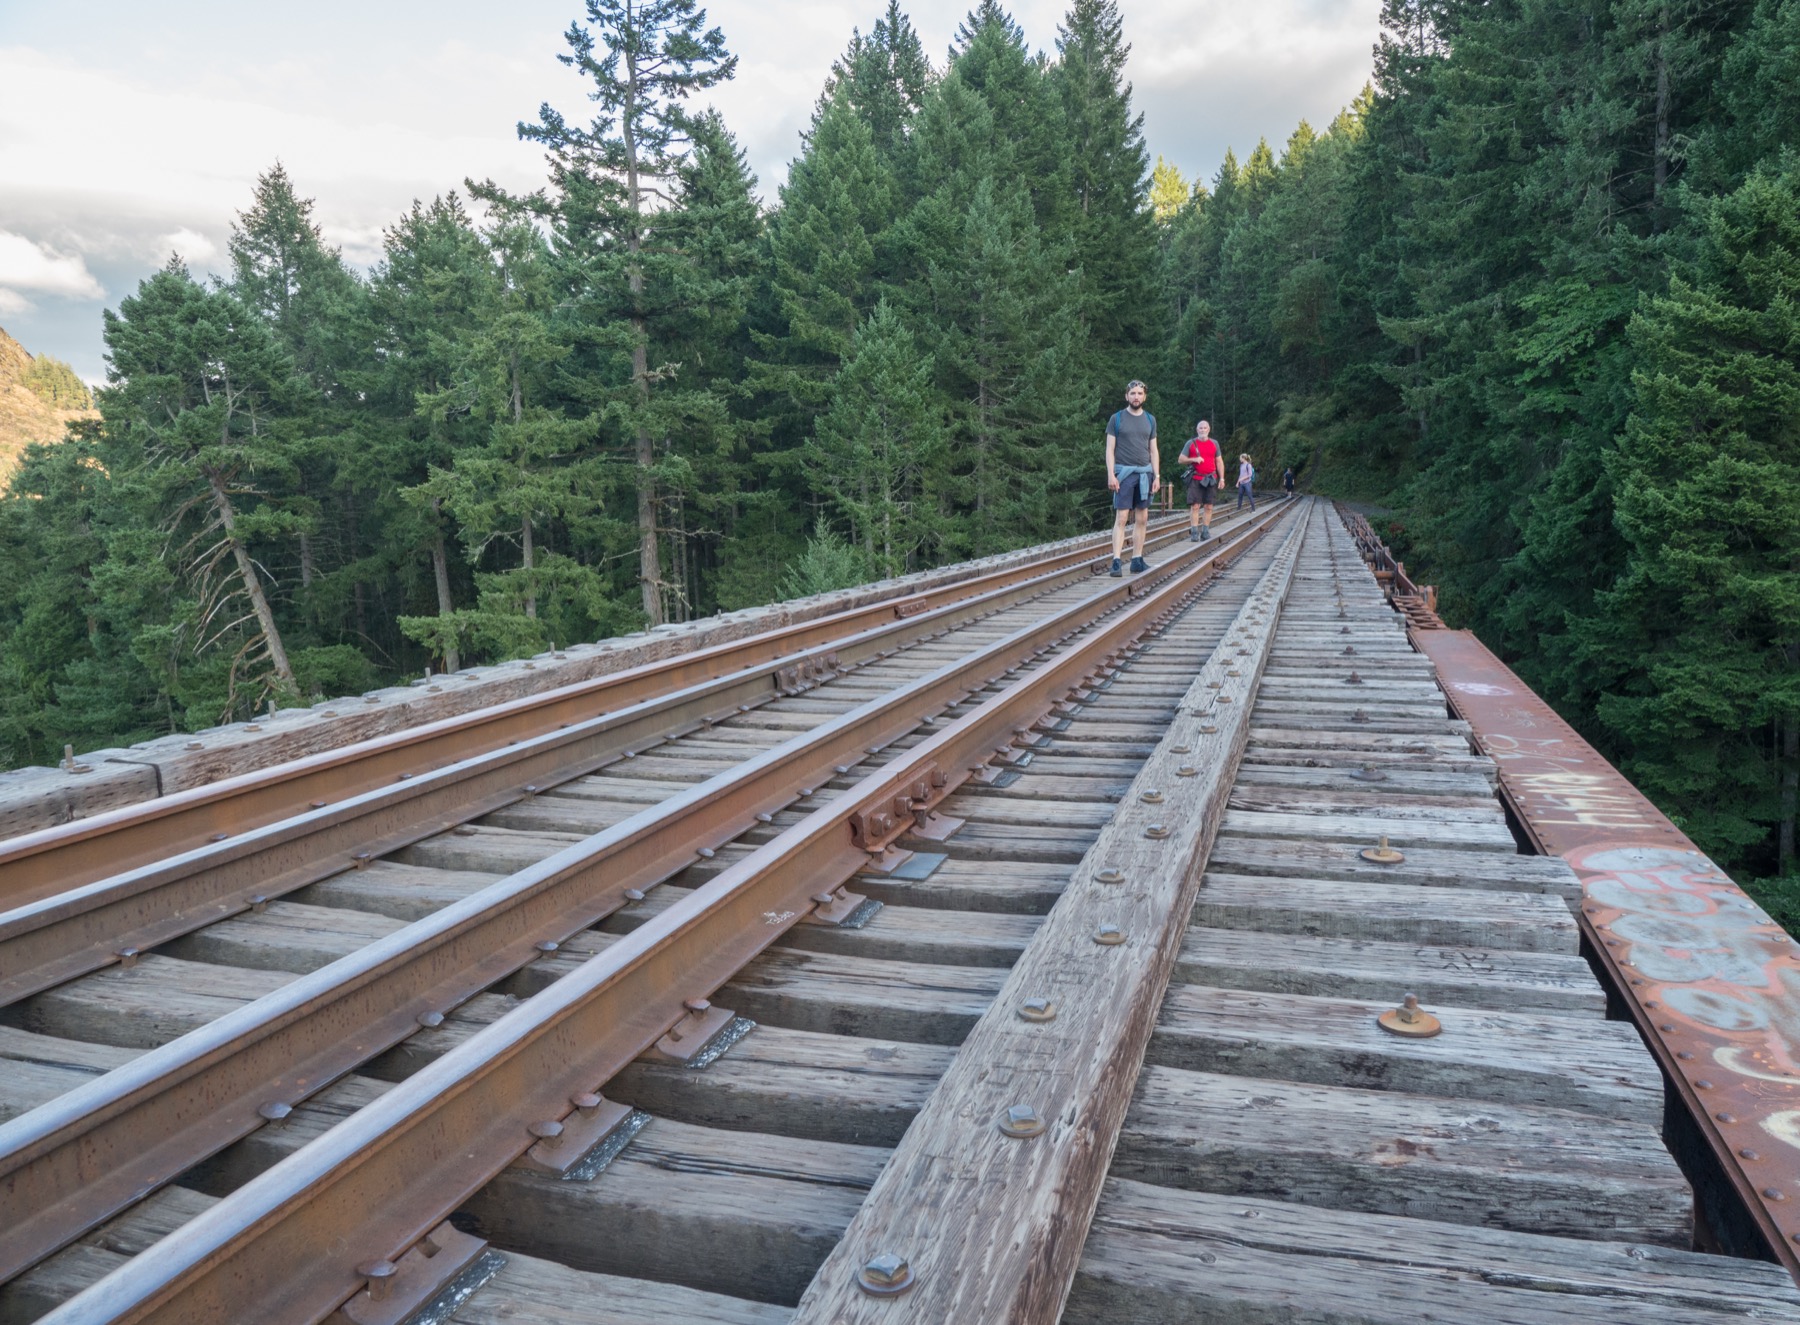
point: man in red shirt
(1204, 479)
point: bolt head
(885, 1274)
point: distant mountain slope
(39, 397)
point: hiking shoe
(1139, 565)
(1115, 572)
(1193, 535)
(1205, 534)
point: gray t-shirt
(1134, 432)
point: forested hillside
(1538, 295)
(1533, 295)
(39, 397)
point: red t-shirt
(1203, 455)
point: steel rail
(81, 1157)
(52, 860)
(404, 797)
(278, 1249)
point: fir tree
(645, 59)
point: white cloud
(192, 247)
(12, 303)
(28, 265)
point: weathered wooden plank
(954, 1179)
(1189, 1258)
(1266, 799)
(1399, 781)
(1287, 963)
(1459, 869)
(1496, 1165)
(1404, 834)
(1442, 917)
(1595, 1067)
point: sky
(131, 131)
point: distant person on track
(1246, 482)
(1205, 476)
(1287, 481)
(1133, 473)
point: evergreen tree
(645, 58)
(1168, 191)
(200, 387)
(883, 78)
(881, 446)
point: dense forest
(1534, 298)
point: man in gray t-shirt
(1133, 472)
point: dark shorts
(1201, 494)
(1130, 496)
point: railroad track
(866, 988)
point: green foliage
(829, 562)
(55, 383)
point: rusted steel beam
(83, 1156)
(54, 860)
(1712, 982)
(388, 793)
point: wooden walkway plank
(956, 1178)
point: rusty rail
(37, 865)
(78, 1159)
(1711, 981)
(384, 794)
(1418, 604)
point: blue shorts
(1131, 495)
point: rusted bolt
(1111, 874)
(273, 1111)
(1410, 1020)
(587, 1101)
(634, 894)
(317, 805)
(1359, 716)
(1021, 1120)
(1152, 797)
(380, 1275)
(764, 817)
(549, 1131)
(431, 1020)
(841, 768)
(1187, 771)
(1037, 1009)
(697, 1007)
(885, 1275)
(1353, 679)
(1382, 854)
(546, 946)
(1349, 650)
(128, 957)
(361, 859)
(1157, 831)
(196, 745)
(706, 853)
(259, 903)
(1109, 936)
(1181, 749)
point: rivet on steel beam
(1667, 1026)
(885, 1275)
(1747, 1153)
(1382, 854)
(548, 1131)
(1683, 1054)
(1703, 1084)
(634, 894)
(546, 945)
(706, 853)
(1409, 1019)
(805, 792)
(764, 817)
(317, 805)
(128, 957)
(1037, 1009)
(1726, 1117)
(841, 768)
(1111, 874)
(380, 1275)
(1109, 936)
(431, 1020)
(1157, 831)
(1774, 1193)
(1022, 1121)
(218, 837)
(273, 1111)
(1152, 797)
